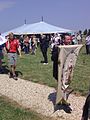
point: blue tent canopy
(38, 28)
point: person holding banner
(12, 46)
(86, 109)
(64, 59)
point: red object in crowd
(26, 40)
(14, 44)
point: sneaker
(1, 71)
(10, 75)
(45, 63)
(15, 78)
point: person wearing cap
(12, 46)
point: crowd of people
(29, 43)
(66, 39)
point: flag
(66, 62)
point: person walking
(33, 44)
(12, 46)
(26, 44)
(44, 48)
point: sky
(69, 14)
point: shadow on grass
(66, 108)
(19, 73)
(5, 70)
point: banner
(2, 40)
(66, 62)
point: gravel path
(40, 98)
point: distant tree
(85, 32)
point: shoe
(1, 71)
(42, 62)
(64, 102)
(14, 77)
(45, 63)
(32, 53)
(10, 75)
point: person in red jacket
(12, 45)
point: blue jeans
(26, 49)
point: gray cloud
(6, 4)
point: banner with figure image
(66, 62)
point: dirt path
(39, 98)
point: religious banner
(66, 62)
(2, 40)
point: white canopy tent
(43, 28)
(37, 28)
(16, 31)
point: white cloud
(6, 4)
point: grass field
(81, 78)
(12, 111)
(30, 68)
